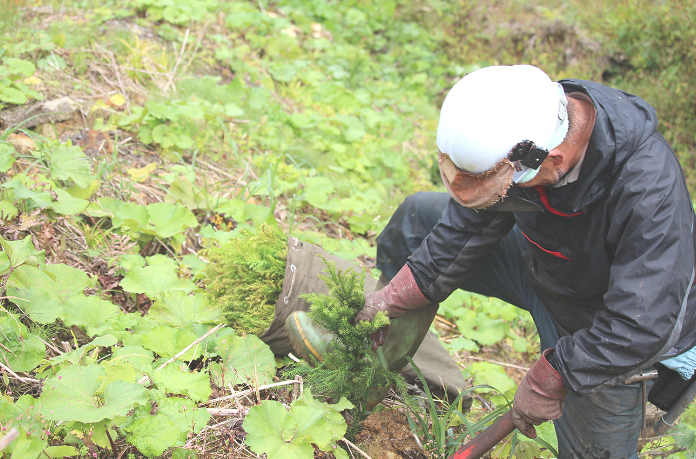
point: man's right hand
(400, 295)
(540, 396)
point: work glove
(540, 396)
(400, 295)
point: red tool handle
(487, 439)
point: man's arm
(455, 248)
(650, 277)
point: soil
(386, 435)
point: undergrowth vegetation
(182, 124)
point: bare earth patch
(386, 435)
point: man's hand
(400, 295)
(540, 396)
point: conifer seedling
(350, 368)
(245, 277)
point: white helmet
(490, 111)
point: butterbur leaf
(70, 163)
(62, 451)
(72, 395)
(153, 280)
(269, 431)
(168, 341)
(170, 219)
(90, 312)
(67, 204)
(137, 356)
(22, 251)
(37, 303)
(27, 446)
(21, 350)
(173, 380)
(19, 67)
(7, 152)
(79, 355)
(178, 309)
(245, 360)
(169, 427)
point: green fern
(350, 369)
(245, 276)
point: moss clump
(351, 368)
(245, 276)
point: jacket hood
(623, 122)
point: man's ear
(555, 156)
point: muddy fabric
(304, 264)
(603, 424)
(301, 276)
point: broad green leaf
(336, 425)
(79, 355)
(153, 280)
(178, 309)
(19, 66)
(245, 360)
(41, 306)
(527, 450)
(173, 380)
(35, 198)
(317, 190)
(11, 95)
(90, 312)
(153, 434)
(7, 211)
(22, 251)
(353, 128)
(27, 446)
(86, 192)
(71, 395)
(22, 413)
(170, 219)
(70, 163)
(21, 350)
(168, 342)
(269, 431)
(7, 153)
(67, 204)
(493, 375)
(137, 356)
(62, 451)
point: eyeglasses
(527, 154)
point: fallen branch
(252, 390)
(9, 438)
(223, 411)
(16, 376)
(363, 453)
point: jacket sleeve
(455, 247)
(651, 235)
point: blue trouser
(603, 424)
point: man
(567, 202)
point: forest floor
(134, 134)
